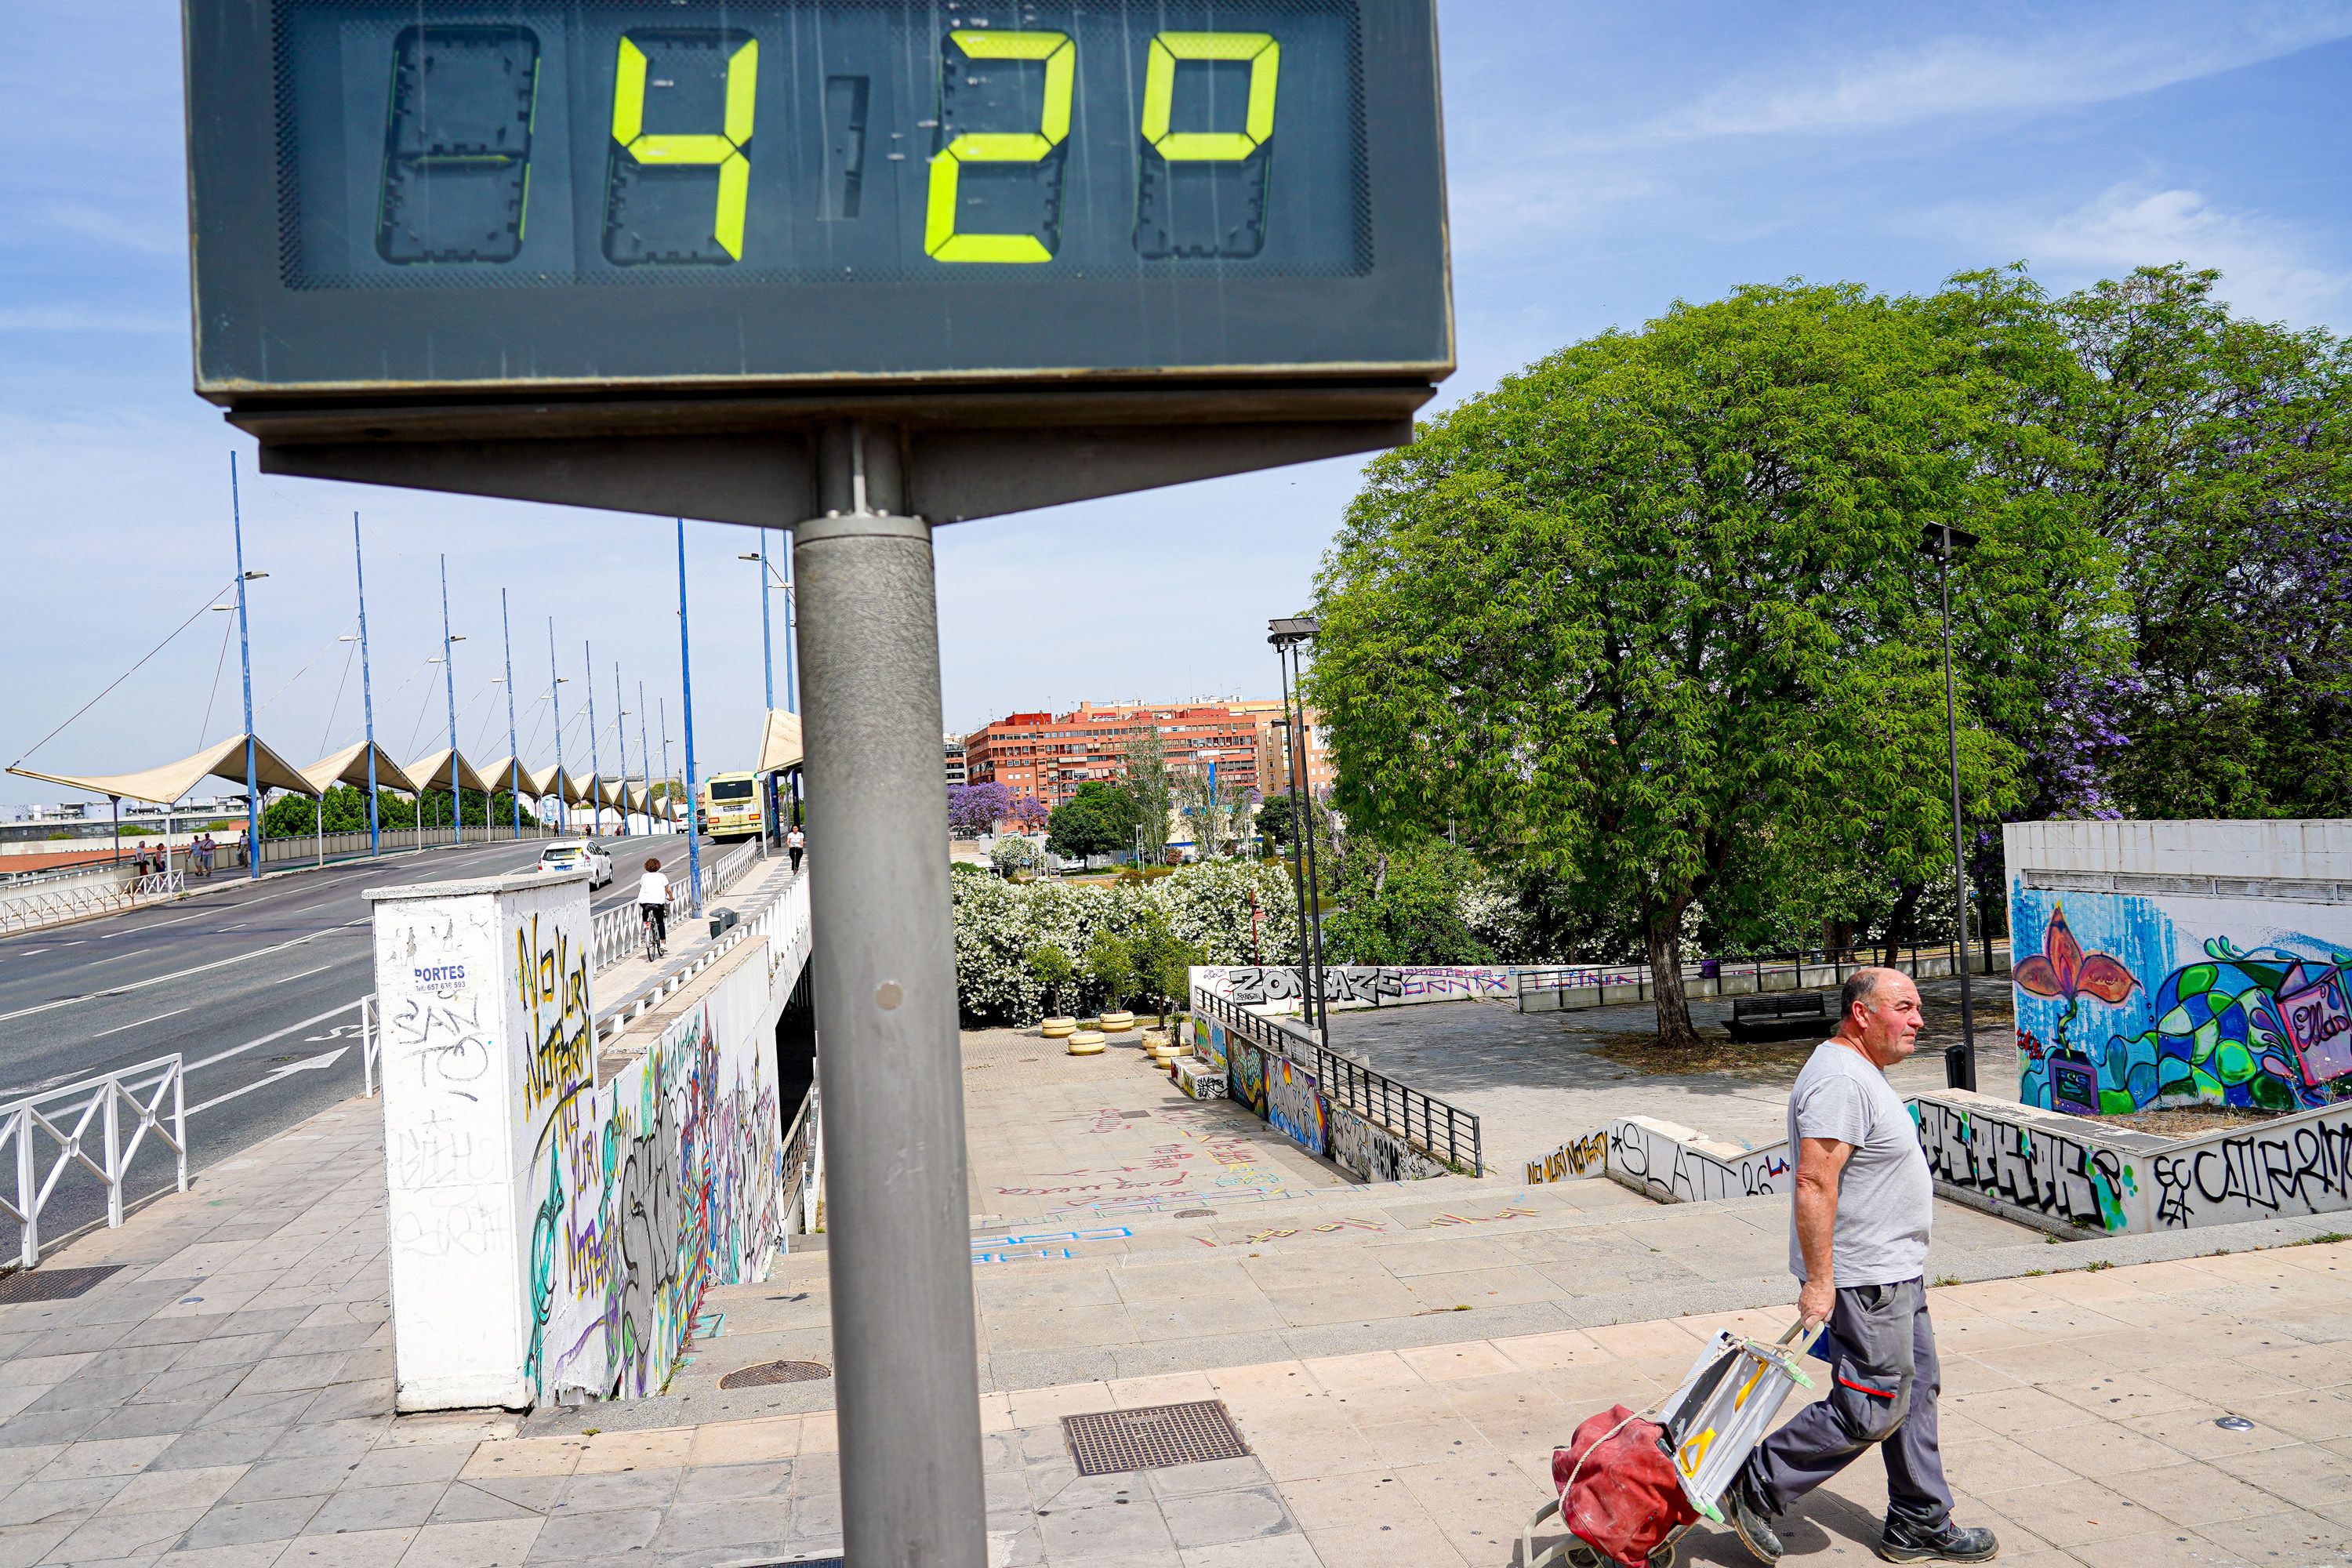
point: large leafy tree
(1651, 619)
(1099, 819)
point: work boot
(1748, 1518)
(1904, 1541)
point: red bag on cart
(1618, 1491)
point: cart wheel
(1664, 1557)
(1583, 1556)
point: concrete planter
(1118, 1023)
(1086, 1042)
(1058, 1028)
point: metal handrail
(54, 905)
(1439, 1128)
(615, 934)
(801, 1163)
(102, 1098)
(1598, 977)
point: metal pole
(686, 680)
(555, 696)
(1960, 1061)
(596, 768)
(767, 646)
(1302, 822)
(1315, 898)
(899, 1238)
(449, 686)
(621, 738)
(665, 730)
(646, 755)
(245, 664)
(791, 689)
(514, 757)
(367, 692)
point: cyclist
(652, 904)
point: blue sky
(1604, 161)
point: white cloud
(2270, 269)
(1961, 74)
(115, 228)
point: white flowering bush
(997, 922)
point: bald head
(1879, 1013)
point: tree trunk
(1664, 939)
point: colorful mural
(2133, 1001)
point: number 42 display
(457, 176)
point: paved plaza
(1399, 1361)
(1535, 1079)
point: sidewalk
(223, 1399)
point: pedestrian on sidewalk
(794, 846)
(1858, 1245)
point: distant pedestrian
(201, 852)
(795, 846)
(1858, 1244)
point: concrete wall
(1275, 986)
(558, 1212)
(2069, 1175)
(1286, 1094)
(2177, 963)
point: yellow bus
(731, 807)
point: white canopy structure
(432, 772)
(779, 741)
(350, 766)
(165, 785)
(502, 774)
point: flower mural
(2062, 972)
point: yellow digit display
(673, 151)
(1264, 57)
(941, 242)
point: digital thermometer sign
(437, 196)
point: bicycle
(656, 945)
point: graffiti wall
(1579, 1157)
(1293, 1108)
(556, 1221)
(1677, 1165)
(2131, 1000)
(464, 1048)
(2029, 1167)
(1362, 985)
(1370, 1152)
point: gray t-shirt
(1885, 1196)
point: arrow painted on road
(319, 1063)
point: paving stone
(358, 1508)
(240, 1523)
(110, 1534)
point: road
(252, 984)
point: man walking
(1858, 1244)
(795, 846)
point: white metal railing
(615, 934)
(64, 1116)
(371, 1042)
(52, 905)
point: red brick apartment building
(1048, 755)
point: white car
(572, 854)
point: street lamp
(1285, 634)
(1943, 542)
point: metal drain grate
(51, 1284)
(1108, 1442)
(769, 1373)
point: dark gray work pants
(1887, 1378)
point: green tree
(1110, 965)
(1099, 819)
(1650, 619)
(1164, 962)
(1053, 971)
(1149, 787)
(1406, 906)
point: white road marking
(266, 1039)
(182, 974)
(314, 1064)
(224, 931)
(156, 1019)
(321, 969)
